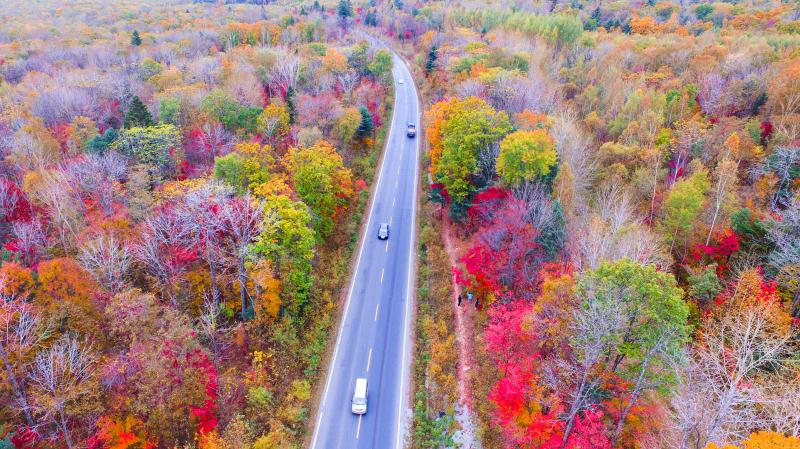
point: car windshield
(359, 401)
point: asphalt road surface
(373, 339)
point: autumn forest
(608, 241)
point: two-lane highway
(373, 339)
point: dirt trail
(466, 436)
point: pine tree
(371, 19)
(138, 115)
(345, 9)
(290, 107)
(366, 126)
(430, 64)
(553, 236)
(135, 38)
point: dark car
(383, 231)
(411, 130)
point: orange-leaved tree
(763, 440)
(65, 291)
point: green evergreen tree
(752, 232)
(596, 15)
(290, 107)
(704, 286)
(138, 115)
(430, 64)
(437, 195)
(553, 236)
(371, 19)
(99, 144)
(345, 9)
(366, 126)
(136, 39)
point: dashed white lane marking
(406, 315)
(376, 312)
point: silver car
(383, 231)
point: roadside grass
(434, 369)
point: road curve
(373, 339)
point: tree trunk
(685, 440)
(18, 391)
(637, 390)
(243, 286)
(212, 269)
(171, 292)
(713, 223)
(655, 189)
(64, 428)
(575, 407)
(62, 236)
(722, 407)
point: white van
(359, 406)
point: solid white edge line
(353, 281)
(403, 373)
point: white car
(400, 81)
(359, 404)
